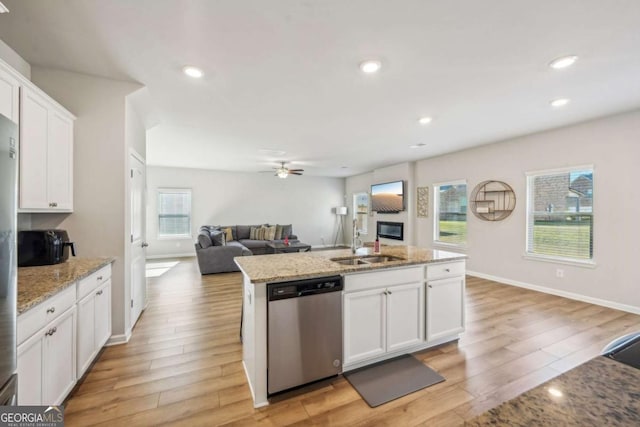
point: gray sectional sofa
(215, 253)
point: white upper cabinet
(46, 154)
(9, 95)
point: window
(560, 214)
(361, 211)
(450, 213)
(174, 212)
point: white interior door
(138, 243)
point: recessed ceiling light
(418, 145)
(560, 102)
(271, 152)
(563, 62)
(370, 67)
(3, 8)
(425, 120)
(344, 167)
(192, 71)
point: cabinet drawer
(381, 278)
(445, 269)
(91, 282)
(38, 317)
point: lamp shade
(341, 210)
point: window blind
(451, 213)
(174, 212)
(560, 214)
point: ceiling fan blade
(294, 173)
(265, 171)
(296, 170)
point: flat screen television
(387, 197)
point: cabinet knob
(52, 331)
(389, 293)
(53, 205)
(99, 292)
(431, 286)
(99, 278)
(447, 270)
(51, 310)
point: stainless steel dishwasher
(304, 332)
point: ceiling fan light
(282, 173)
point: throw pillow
(260, 233)
(270, 233)
(278, 232)
(204, 240)
(252, 233)
(228, 234)
(218, 238)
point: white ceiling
(283, 74)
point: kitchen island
(400, 301)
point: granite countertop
(597, 393)
(36, 284)
(304, 265)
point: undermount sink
(366, 259)
(349, 261)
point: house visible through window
(174, 212)
(560, 214)
(451, 213)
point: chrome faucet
(355, 237)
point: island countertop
(304, 265)
(36, 284)
(598, 392)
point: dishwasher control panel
(300, 288)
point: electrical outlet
(559, 273)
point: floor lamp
(341, 212)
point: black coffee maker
(43, 247)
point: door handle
(144, 244)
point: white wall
(228, 198)
(362, 184)
(496, 249)
(97, 224)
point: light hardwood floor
(183, 363)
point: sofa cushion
(253, 243)
(218, 237)
(287, 230)
(204, 239)
(242, 231)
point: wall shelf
(492, 200)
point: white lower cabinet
(47, 362)
(445, 307)
(382, 320)
(94, 325)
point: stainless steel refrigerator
(8, 259)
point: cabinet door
(60, 359)
(445, 307)
(60, 162)
(364, 325)
(103, 315)
(405, 316)
(86, 332)
(30, 370)
(9, 96)
(33, 150)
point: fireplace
(390, 230)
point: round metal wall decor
(492, 200)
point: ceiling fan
(283, 171)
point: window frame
(529, 176)
(174, 190)
(436, 214)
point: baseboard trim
(183, 255)
(597, 301)
(118, 339)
